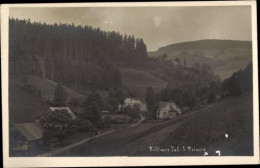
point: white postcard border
(124, 161)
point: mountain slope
(138, 81)
(224, 56)
(46, 88)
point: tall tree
(93, 98)
(150, 98)
(92, 113)
(60, 96)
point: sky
(157, 26)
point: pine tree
(60, 96)
(150, 98)
(92, 113)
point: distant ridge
(209, 44)
(224, 56)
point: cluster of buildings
(29, 136)
(165, 110)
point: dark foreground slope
(208, 130)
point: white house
(168, 110)
(131, 102)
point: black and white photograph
(132, 80)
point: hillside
(138, 81)
(24, 107)
(232, 116)
(224, 56)
(47, 87)
(202, 129)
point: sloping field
(47, 88)
(139, 81)
(23, 106)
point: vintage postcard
(129, 84)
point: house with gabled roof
(168, 110)
(26, 137)
(57, 117)
(53, 109)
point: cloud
(107, 22)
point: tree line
(75, 56)
(240, 82)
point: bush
(81, 125)
(116, 121)
(107, 122)
(54, 133)
(100, 125)
(148, 115)
(69, 131)
(211, 97)
(32, 89)
(133, 114)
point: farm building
(52, 109)
(131, 102)
(27, 137)
(168, 110)
(57, 118)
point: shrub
(54, 133)
(81, 125)
(100, 125)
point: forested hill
(88, 59)
(76, 56)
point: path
(65, 148)
(139, 121)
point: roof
(30, 130)
(133, 98)
(104, 111)
(163, 104)
(73, 116)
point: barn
(53, 109)
(26, 138)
